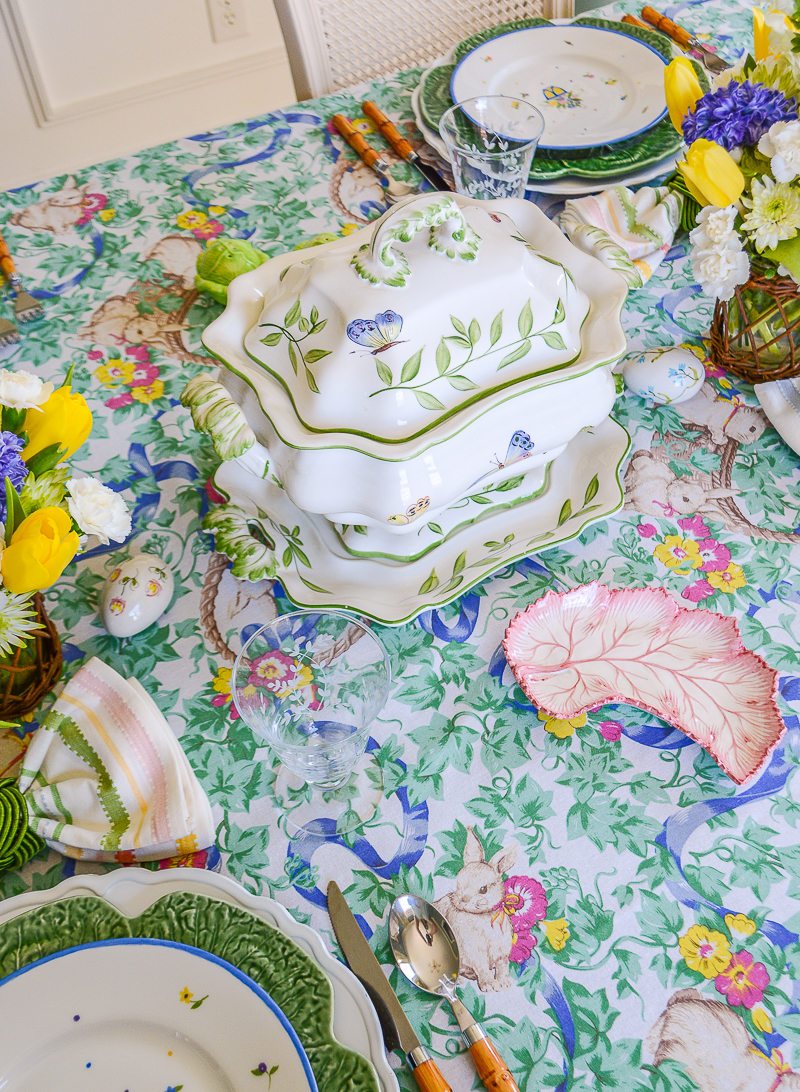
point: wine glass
(310, 684)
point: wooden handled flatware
(685, 39)
(401, 145)
(372, 158)
(26, 307)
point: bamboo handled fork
(26, 308)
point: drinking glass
(491, 140)
(310, 684)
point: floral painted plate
(598, 162)
(316, 570)
(332, 1016)
(143, 1013)
(590, 87)
(577, 650)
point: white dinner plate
(566, 186)
(134, 1014)
(134, 890)
(781, 403)
(593, 85)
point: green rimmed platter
(648, 149)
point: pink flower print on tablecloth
(698, 591)
(120, 400)
(209, 230)
(138, 352)
(694, 527)
(144, 373)
(611, 730)
(647, 530)
(714, 554)
(743, 982)
(524, 904)
(92, 204)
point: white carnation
(714, 228)
(720, 270)
(98, 510)
(781, 143)
(22, 390)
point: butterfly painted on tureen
(520, 447)
(378, 334)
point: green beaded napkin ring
(17, 842)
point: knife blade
(685, 39)
(401, 145)
(362, 962)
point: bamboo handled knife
(397, 1030)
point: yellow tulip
(682, 88)
(710, 174)
(63, 419)
(40, 549)
(760, 35)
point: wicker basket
(27, 673)
(756, 334)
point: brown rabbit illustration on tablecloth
(493, 918)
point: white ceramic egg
(137, 592)
(665, 375)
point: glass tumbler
(310, 684)
(491, 141)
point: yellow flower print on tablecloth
(705, 951)
(217, 210)
(761, 1019)
(740, 926)
(561, 728)
(115, 371)
(149, 393)
(107, 214)
(675, 551)
(729, 579)
(557, 933)
(191, 218)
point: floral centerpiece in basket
(741, 180)
(45, 512)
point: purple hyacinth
(737, 114)
(11, 466)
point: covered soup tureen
(452, 344)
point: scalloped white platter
(316, 570)
(141, 1013)
(132, 891)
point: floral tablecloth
(618, 862)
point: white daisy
(17, 620)
(774, 213)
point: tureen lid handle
(380, 262)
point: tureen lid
(444, 306)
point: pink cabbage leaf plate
(574, 651)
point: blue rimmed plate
(137, 1013)
(595, 86)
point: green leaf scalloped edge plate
(649, 148)
(272, 960)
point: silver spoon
(426, 951)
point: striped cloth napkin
(630, 232)
(105, 779)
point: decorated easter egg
(137, 592)
(666, 375)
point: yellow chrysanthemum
(675, 551)
(705, 951)
(557, 933)
(561, 728)
(729, 579)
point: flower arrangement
(45, 511)
(742, 165)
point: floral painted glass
(310, 684)
(491, 141)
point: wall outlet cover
(228, 19)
